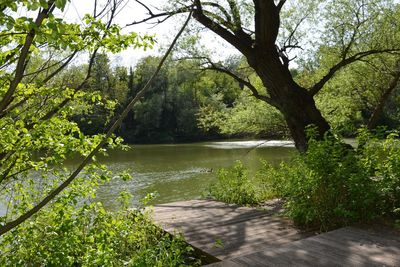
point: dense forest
(308, 71)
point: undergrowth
(330, 185)
(86, 234)
(233, 186)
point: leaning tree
(350, 29)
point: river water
(179, 171)
(183, 171)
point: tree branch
(280, 4)
(222, 9)
(21, 64)
(373, 120)
(243, 45)
(237, 20)
(343, 63)
(248, 84)
(163, 15)
(267, 23)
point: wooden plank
(199, 212)
(225, 264)
(182, 205)
(238, 249)
(380, 236)
(241, 229)
(213, 206)
(352, 242)
(334, 255)
(292, 255)
(229, 233)
(209, 218)
(230, 243)
(327, 249)
(274, 257)
(204, 221)
(232, 228)
(362, 240)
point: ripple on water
(251, 144)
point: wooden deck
(343, 247)
(241, 236)
(226, 231)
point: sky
(164, 32)
(129, 13)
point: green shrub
(233, 186)
(332, 185)
(382, 159)
(91, 236)
(77, 231)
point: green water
(183, 171)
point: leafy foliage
(247, 117)
(329, 186)
(83, 233)
(38, 98)
(332, 185)
(169, 111)
(233, 186)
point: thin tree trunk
(376, 115)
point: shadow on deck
(226, 231)
(348, 246)
(243, 236)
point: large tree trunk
(295, 102)
(300, 112)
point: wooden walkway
(241, 236)
(343, 247)
(226, 231)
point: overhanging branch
(280, 4)
(244, 45)
(343, 63)
(160, 17)
(240, 80)
(24, 54)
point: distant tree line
(169, 112)
(188, 103)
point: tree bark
(295, 102)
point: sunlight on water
(251, 144)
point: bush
(331, 185)
(92, 236)
(233, 186)
(382, 159)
